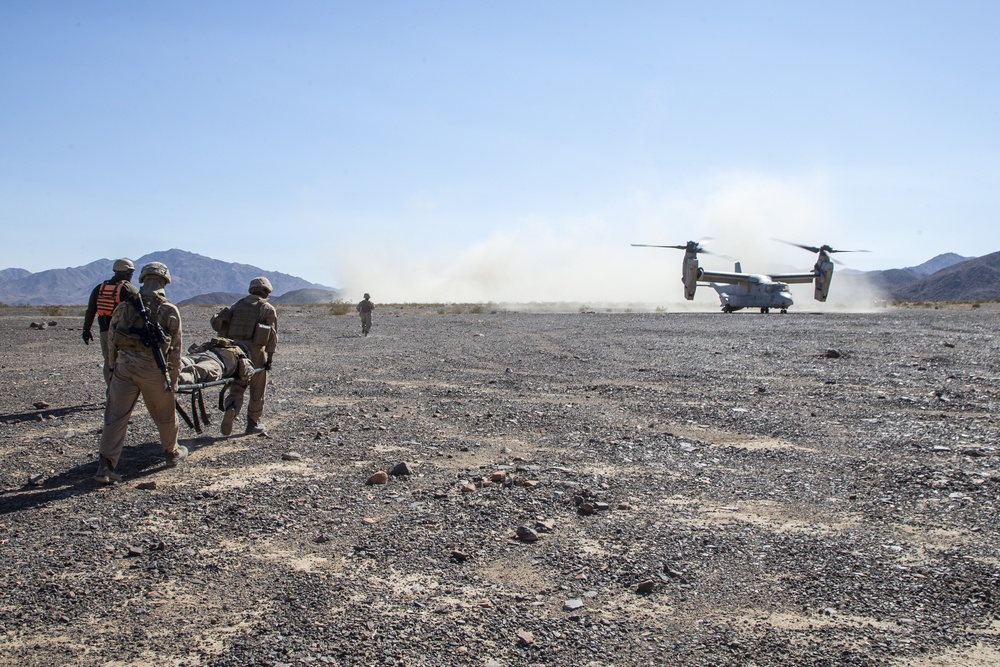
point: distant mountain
(306, 296)
(191, 275)
(13, 274)
(938, 263)
(892, 280)
(213, 299)
(972, 280)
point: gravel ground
(578, 489)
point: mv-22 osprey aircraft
(753, 290)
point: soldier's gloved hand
(267, 364)
(87, 336)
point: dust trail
(591, 263)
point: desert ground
(584, 488)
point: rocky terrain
(577, 489)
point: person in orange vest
(102, 304)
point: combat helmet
(259, 284)
(155, 269)
(123, 265)
(367, 295)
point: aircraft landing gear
(727, 309)
(765, 310)
(784, 311)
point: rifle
(152, 336)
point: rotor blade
(832, 250)
(646, 245)
(798, 245)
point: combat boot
(106, 473)
(227, 421)
(175, 456)
(254, 427)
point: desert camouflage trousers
(105, 335)
(258, 383)
(366, 321)
(131, 379)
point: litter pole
(187, 420)
(201, 407)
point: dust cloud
(590, 263)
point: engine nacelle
(824, 274)
(691, 273)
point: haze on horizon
(447, 152)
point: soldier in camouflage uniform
(134, 372)
(252, 323)
(102, 304)
(365, 308)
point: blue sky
(453, 151)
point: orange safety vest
(108, 296)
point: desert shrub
(52, 311)
(476, 308)
(340, 307)
(977, 305)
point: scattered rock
(295, 456)
(832, 354)
(401, 470)
(381, 477)
(645, 586)
(544, 526)
(41, 405)
(525, 638)
(526, 534)
(146, 486)
(573, 605)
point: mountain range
(191, 276)
(200, 280)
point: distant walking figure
(365, 308)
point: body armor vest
(127, 334)
(244, 319)
(108, 296)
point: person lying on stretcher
(218, 359)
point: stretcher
(194, 367)
(198, 414)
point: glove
(267, 364)
(87, 336)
